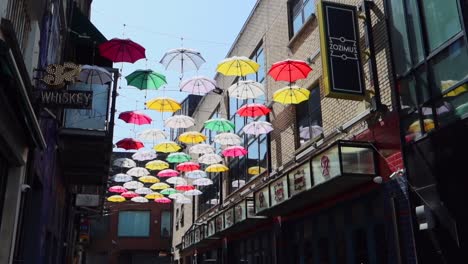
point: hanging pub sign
(339, 45)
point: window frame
(148, 212)
(298, 137)
(291, 17)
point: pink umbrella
(135, 117)
(129, 194)
(122, 50)
(188, 166)
(117, 189)
(185, 187)
(168, 173)
(253, 110)
(163, 200)
(234, 151)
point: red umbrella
(188, 166)
(185, 187)
(129, 194)
(253, 110)
(122, 50)
(135, 117)
(289, 70)
(129, 143)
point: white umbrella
(94, 75)
(258, 128)
(176, 181)
(144, 154)
(152, 135)
(193, 192)
(124, 163)
(202, 182)
(202, 149)
(210, 159)
(246, 90)
(179, 121)
(227, 139)
(176, 196)
(184, 200)
(196, 174)
(138, 172)
(143, 190)
(182, 60)
(238, 183)
(198, 85)
(305, 132)
(133, 185)
(122, 177)
(139, 199)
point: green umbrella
(146, 79)
(178, 157)
(168, 191)
(219, 125)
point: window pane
(134, 223)
(309, 8)
(310, 123)
(442, 21)
(261, 61)
(297, 23)
(408, 96)
(263, 152)
(399, 36)
(414, 34)
(232, 106)
(165, 224)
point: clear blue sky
(209, 26)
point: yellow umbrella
(455, 92)
(416, 128)
(167, 147)
(116, 199)
(153, 195)
(148, 179)
(291, 95)
(159, 186)
(192, 137)
(216, 168)
(237, 66)
(163, 104)
(157, 165)
(255, 170)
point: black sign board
(67, 99)
(341, 60)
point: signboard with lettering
(262, 199)
(300, 179)
(67, 99)
(340, 51)
(326, 165)
(279, 190)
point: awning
(83, 30)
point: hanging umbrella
(153, 195)
(255, 170)
(129, 194)
(144, 154)
(168, 191)
(167, 147)
(178, 157)
(258, 128)
(116, 199)
(201, 149)
(179, 121)
(237, 183)
(121, 177)
(163, 200)
(184, 187)
(122, 50)
(188, 166)
(193, 192)
(192, 137)
(135, 117)
(129, 143)
(237, 66)
(146, 80)
(157, 165)
(124, 163)
(202, 182)
(139, 199)
(310, 132)
(117, 189)
(176, 196)
(159, 186)
(196, 174)
(183, 200)
(168, 173)
(133, 185)
(253, 110)
(246, 90)
(289, 70)
(94, 75)
(152, 135)
(163, 104)
(138, 172)
(176, 180)
(291, 95)
(219, 125)
(228, 139)
(198, 85)
(216, 168)
(182, 60)
(148, 179)
(234, 151)
(143, 190)
(210, 158)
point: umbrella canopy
(133, 185)
(168, 173)
(163, 104)
(129, 194)
(135, 117)
(157, 165)
(144, 154)
(176, 180)
(178, 157)
(94, 75)
(163, 200)
(159, 186)
(210, 158)
(258, 128)
(183, 200)
(139, 199)
(182, 60)
(291, 95)
(216, 168)
(116, 199)
(184, 187)
(201, 149)
(122, 50)
(219, 125)
(255, 170)
(237, 66)
(193, 192)
(124, 163)
(153, 195)
(234, 151)
(167, 147)
(246, 90)
(198, 85)
(129, 143)
(310, 132)
(253, 110)
(202, 182)
(179, 121)
(143, 190)
(188, 166)
(152, 135)
(176, 195)
(121, 177)
(289, 70)
(148, 179)
(192, 137)
(237, 183)
(138, 172)
(168, 191)
(146, 80)
(117, 189)
(196, 174)
(228, 139)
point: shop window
(299, 12)
(165, 224)
(134, 224)
(309, 117)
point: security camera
(25, 187)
